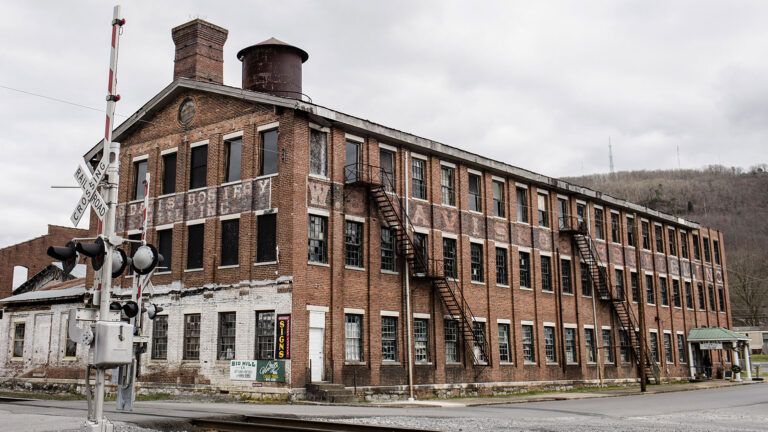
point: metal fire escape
(606, 292)
(381, 189)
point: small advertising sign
(283, 345)
(270, 371)
(242, 370)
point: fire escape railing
(381, 187)
(603, 284)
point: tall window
(549, 344)
(268, 152)
(266, 237)
(646, 233)
(696, 250)
(700, 292)
(581, 213)
(711, 290)
(721, 298)
(663, 291)
(318, 153)
(672, 239)
(546, 273)
(478, 330)
(19, 330)
(70, 346)
(619, 284)
(449, 258)
(388, 338)
(419, 178)
(476, 256)
(566, 279)
(195, 240)
(140, 175)
(615, 229)
(353, 244)
(230, 241)
(387, 169)
(160, 337)
(589, 343)
(191, 337)
(608, 345)
(498, 199)
(684, 244)
(659, 234)
(676, 298)
(571, 352)
(529, 354)
(599, 224)
(502, 275)
(707, 254)
(165, 248)
(649, 291)
(447, 185)
(634, 282)
(624, 348)
(421, 340)
(225, 349)
(562, 213)
(388, 261)
(198, 168)
(421, 246)
(505, 355)
(451, 341)
(265, 335)
(318, 244)
(169, 173)
(525, 269)
(586, 280)
(351, 161)
(668, 353)
(522, 204)
(631, 231)
(716, 250)
(234, 153)
(543, 206)
(682, 352)
(654, 340)
(353, 337)
(475, 193)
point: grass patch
(759, 358)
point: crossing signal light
(119, 262)
(145, 259)
(153, 310)
(67, 254)
(95, 251)
(129, 308)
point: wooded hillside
(729, 199)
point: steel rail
(279, 424)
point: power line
(55, 99)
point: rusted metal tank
(273, 67)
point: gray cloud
(541, 85)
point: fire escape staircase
(601, 283)
(380, 187)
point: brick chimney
(199, 51)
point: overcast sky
(541, 85)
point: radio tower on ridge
(610, 154)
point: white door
(41, 342)
(316, 353)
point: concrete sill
(390, 272)
(197, 189)
(229, 266)
(319, 177)
(529, 364)
(422, 364)
(391, 363)
(265, 263)
(354, 363)
(162, 273)
(319, 264)
(526, 288)
(266, 176)
(477, 283)
(354, 268)
(191, 270)
(231, 183)
(502, 286)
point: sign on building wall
(257, 370)
(711, 345)
(283, 345)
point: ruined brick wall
(32, 254)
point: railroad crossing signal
(90, 195)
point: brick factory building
(283, 220)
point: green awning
(715, 334)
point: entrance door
(42, 339)
(316, 353)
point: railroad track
(280, 424)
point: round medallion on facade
(187, 112)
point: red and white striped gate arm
(112, 97)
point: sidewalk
(585, 393)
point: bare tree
(748, 281)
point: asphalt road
(742, 408)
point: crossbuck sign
(90, 195)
